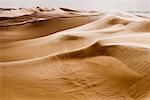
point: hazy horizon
(138, 5)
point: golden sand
(63, 54)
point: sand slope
(108, 58)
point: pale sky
(139, 5)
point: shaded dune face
(108, 58)
(141, 26)
(41, 23)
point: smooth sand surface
(64, 54)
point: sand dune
(40, 23)
(49, 54)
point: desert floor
(64, 54)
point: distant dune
(65, 54)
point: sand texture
(64, 54)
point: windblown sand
(63, 54)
